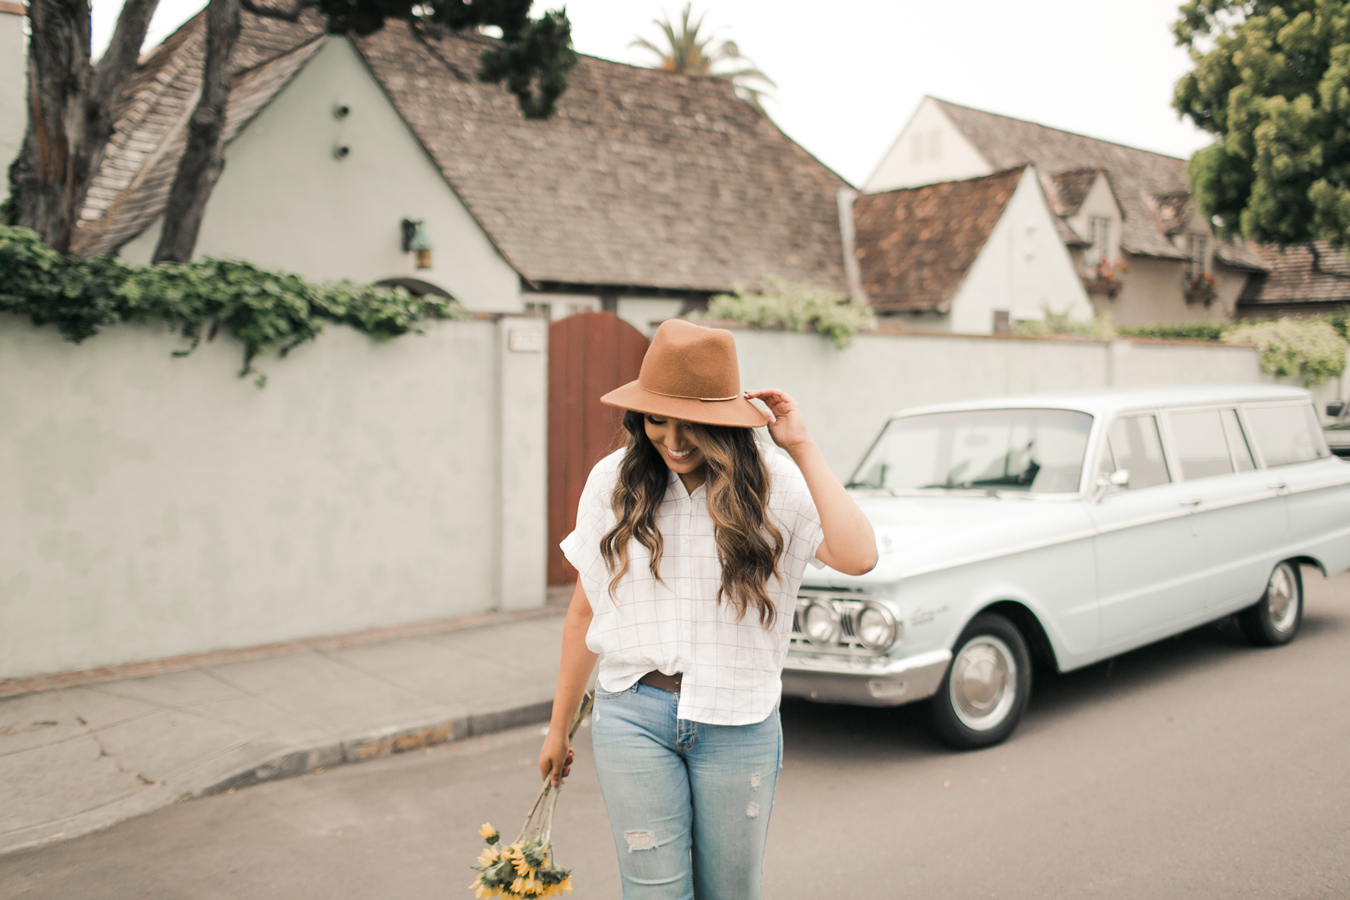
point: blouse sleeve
(595, 517)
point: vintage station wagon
(1064, 530)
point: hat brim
(735, 413)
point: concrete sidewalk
(79, 758)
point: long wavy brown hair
(749, 545)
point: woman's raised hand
(788, 428)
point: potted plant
(1200, 288)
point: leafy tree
(688, 52)
(1272, 82)
(72, 99)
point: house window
(1099, 232)
(1197, 248)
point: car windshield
(1037, 451)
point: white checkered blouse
(732, 670)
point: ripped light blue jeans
(689, 802)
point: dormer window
(1197, 248)
(1099, 233)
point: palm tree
(690, 54)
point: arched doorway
(415, 286)
(589, 354)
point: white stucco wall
(153, 506)
(285, 201)
(1153, 292)
(930, 149)
(13, 92)
(1023, 268)
(847, 395)
(647, 313)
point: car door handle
(1278, 486)
(1190, 501)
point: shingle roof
(131, 188)
(1137, 176)
(641, 178)
(1303, 273)
(915, 245)
(1068, 189)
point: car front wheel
(1274, 619)
(986, 687)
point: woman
(690, 545)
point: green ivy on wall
(263, 310)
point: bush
(1182, 331)
(1340, 320)
(1310, 349)
(264, 310)
(796, 306)
(1098, 327)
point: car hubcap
(1282, 598)
(983, 683)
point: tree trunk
(70, 110)
(46, 176)
(203, 158)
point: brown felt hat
(690, 373)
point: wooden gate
(589, 354)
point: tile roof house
(972, 256)
(644, 186)
(1302, 279)
(1143, 250)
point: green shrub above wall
(795, 306)
(263, 310)
(1180, 331)
(1311, 348)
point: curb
(287, 762)
(378, 744)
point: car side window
(1133, 444)
(1237, 441)
(1286, 434)
(1202, 447)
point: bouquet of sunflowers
(525, 869)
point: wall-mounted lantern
(417, 242)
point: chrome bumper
(857, 682)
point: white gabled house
(1142, 249)
(646, 192)
(973, 256)
(13, 86)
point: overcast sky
(850, 75)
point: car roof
(1113, 400)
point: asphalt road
(1195, 768)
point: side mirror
(1116, 481)
(1335, 408)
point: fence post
(522, 468)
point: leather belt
(663, 681)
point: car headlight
(820, 622)
(877, 628)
